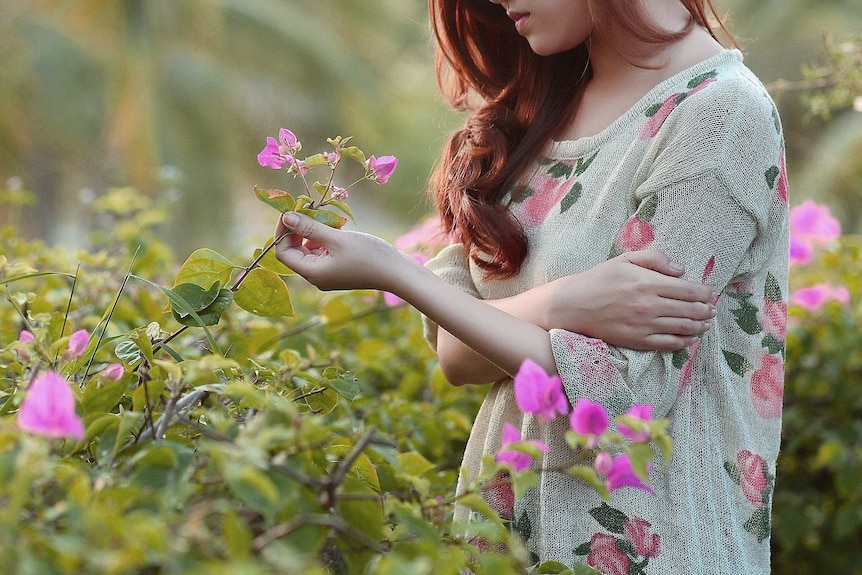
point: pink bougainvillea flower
(332, 158)
(752, 470)
(278, 153)
(426, 235)
(767, 386)
(589, 419)
(603, 463)
(637, 532)
(517, 459)
(810, 224)
(49, 408)
(814, 297)
(641, 412)
(814, 221)
(339, 193)
(78, 343)
(606, 556)
(622, 475)
(114, 372)
(26, 337)
(538, 393)
(381, 169)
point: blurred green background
(176, 97)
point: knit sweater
(695, 168)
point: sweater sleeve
(453, 266)
(714, 199)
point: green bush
(817, 524)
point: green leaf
(552, 568)
(264, 294)
(609, 518)
(561, 170)
(653, 110)
(353, 153)
(315, 160)
(680, 356)
(523, 526)
(196, 296)
(278, 199)
(587, 474)
(746, 317)
(127, 351)
(182, 305)
(341, 205)
(698, 80)
(478, 504)
(640, 455)
(270, 262)
(523, 481)
(647, 209)
(253, 487)
(326, 217)
(211, 314)
(104, 398)
(204, 267)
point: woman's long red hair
(518, 101)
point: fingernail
(676, 266)
(289, 219)
(706, 325)
(712, 311)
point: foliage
(817, 511)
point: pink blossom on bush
(641, 412)
(752, 475)
(114, 372)
(814, 297)
(636, 532)
(49, 408)
(517, 459)
(603, 463)
(78, 343)
(589, 419)
(622, 475)
(26, 337)
(606, 556)
(381, 168)
(810, 224)
(538, 393)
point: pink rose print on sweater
(752, 476)
(500, 495)
(627, 547)
(636, 234)
(549, 191)
(606, 557)
(637, 532)
(659, 113)
(767, 386)
(774, 319)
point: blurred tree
(137, 91)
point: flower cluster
(48, 407)
(811, 226)
(542, 395)
(282, 153)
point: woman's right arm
(635, 300)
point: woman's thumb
(305, 227)
(657, 261)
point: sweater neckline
(580, 146)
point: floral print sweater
(696, 169)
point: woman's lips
(520, 20)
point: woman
(597, 128)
